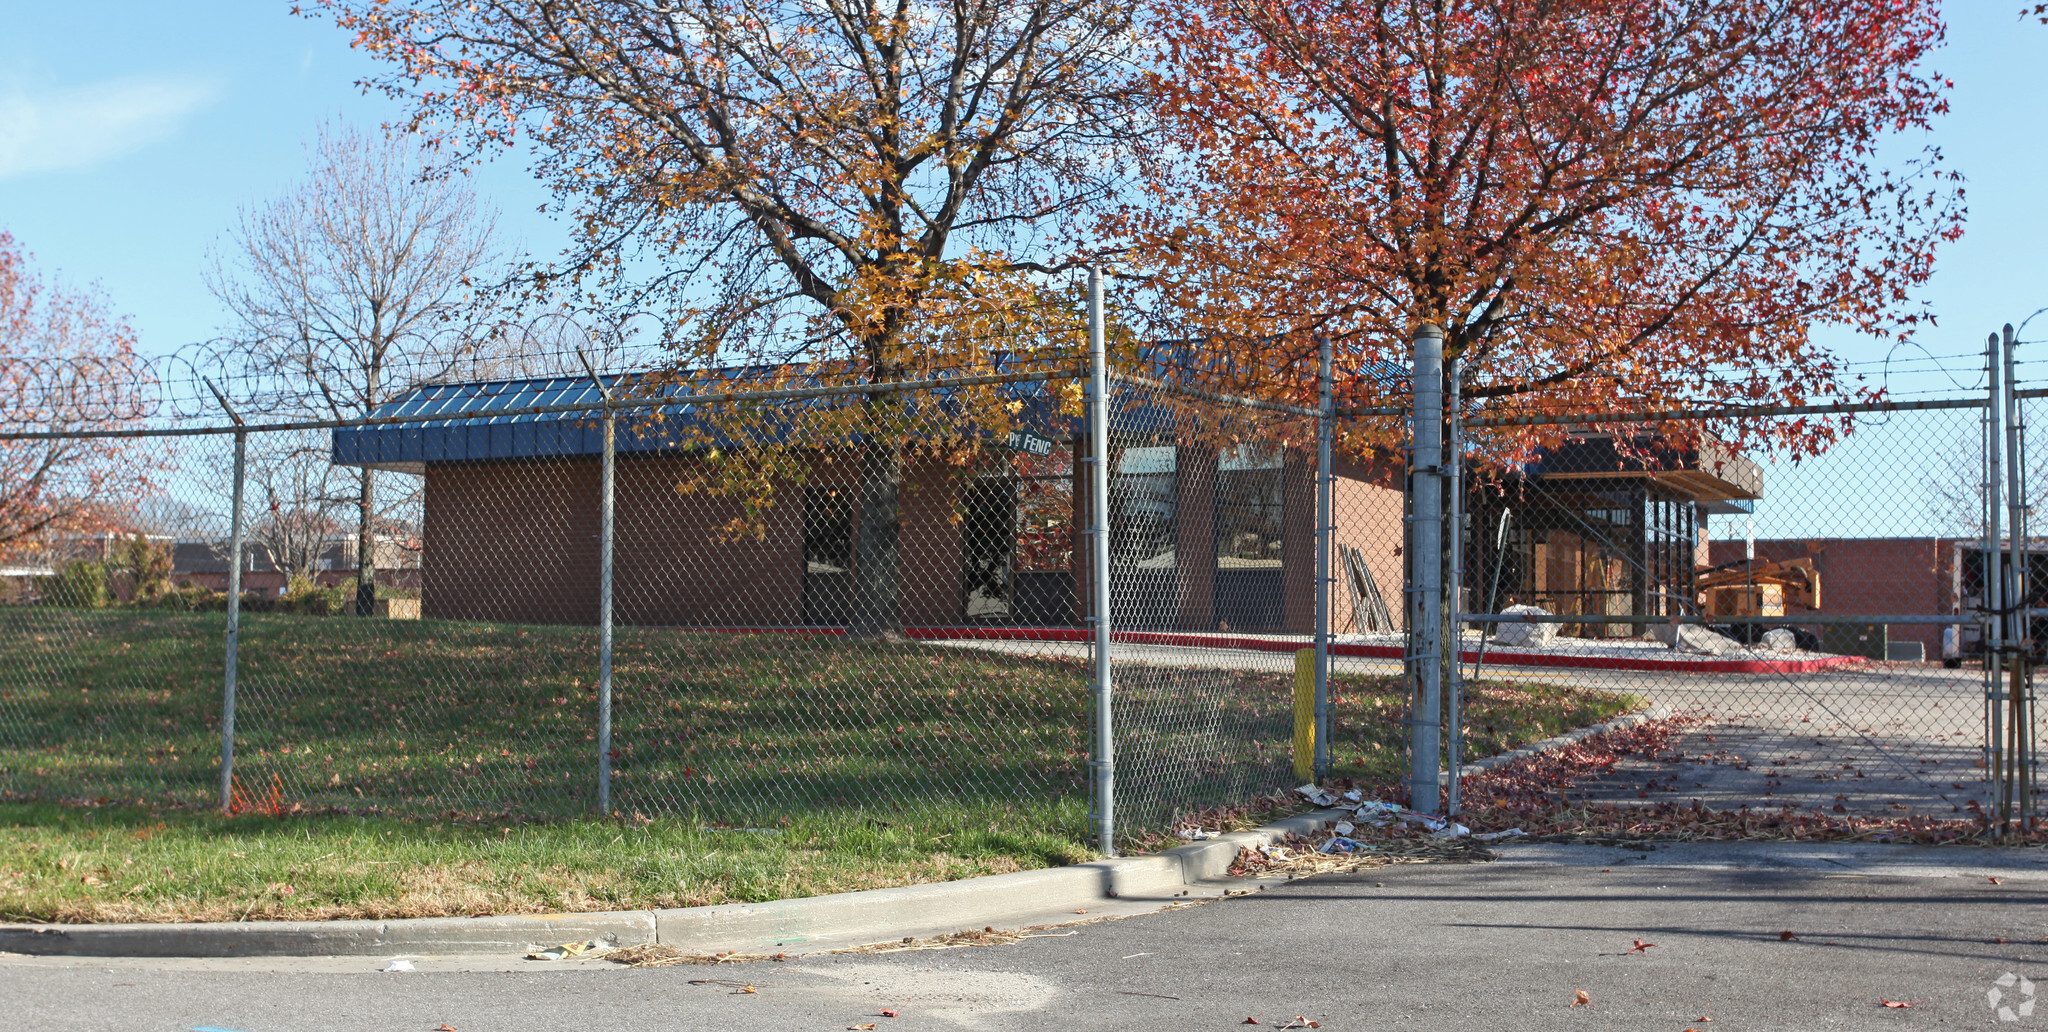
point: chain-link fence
(1812, 631)
(1090, 594)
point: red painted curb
(1226, 641)
(1219, 641)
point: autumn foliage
(66, 364)
(1600, 201)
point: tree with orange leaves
(883, 171)
(66, 364)
(1599, 201)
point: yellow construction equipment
(1750, 588)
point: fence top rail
(1815, 619)
(1717, 412)
(1732, 412)
(724, 397)
(1220, 398)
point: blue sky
(131, 132)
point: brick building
(1202, 538)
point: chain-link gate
(1811, 632)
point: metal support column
(234, 632)
(1325, 530)
(1425, 572)
(1104, 761)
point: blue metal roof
(471, 432)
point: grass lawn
(410, 768)
(71, 864)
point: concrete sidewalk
(1442, 947)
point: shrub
(306, 598)
(81, 584)
(186, 598)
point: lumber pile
(1758, 588)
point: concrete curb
(1654, 711)
(1114, 887)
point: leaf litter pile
(656, 955)
(1534, 796)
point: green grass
(408, 768)
(433, 717)
(72, 864)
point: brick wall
(1366, 508)
(518, 542)
(1869, 576)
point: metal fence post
(234, 631)
(604, 600)
(1425, 570)
(1454, 523)
(2018, 592)
(1325, 529)
(1994, 577)
(1104, 761)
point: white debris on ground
(1524, 635)
(1376, 814)
(1600, 649)
(1695, 639)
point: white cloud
(82, 126)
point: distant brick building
(1887, 576)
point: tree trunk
(366, 546)
(877, 550)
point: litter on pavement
(399, 965)
(1316, 795)
(1340, 844)
(564, 951)
(1494, 836)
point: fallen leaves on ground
(1641, 946)
(657, 955)
(955, 940)
(1300, 856)
(888, 1013)
(1787, 936)
(1580, 998)
(1535, 795)
(1899, 1004)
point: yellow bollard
(1305, 714)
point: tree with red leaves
(66, 364)
(1597, 200)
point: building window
(1249, 508)
(828, 555)
(1142, 508)
(1018, 541)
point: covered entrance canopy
(1604, 527)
